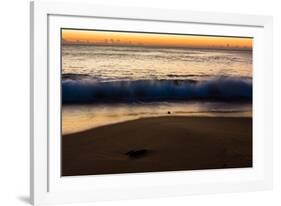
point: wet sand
(159, 144)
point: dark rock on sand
(137, 153)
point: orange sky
(157, 40)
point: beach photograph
(134, 102)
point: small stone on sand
(137, 153)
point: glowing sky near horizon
(71, 36)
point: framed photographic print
(126, 105)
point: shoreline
(230, 114)
(79, 118)
(166, 143)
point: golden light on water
(70, 36)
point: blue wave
(218, 89)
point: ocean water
(108, 84)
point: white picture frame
(47, 18)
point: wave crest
(218, 89)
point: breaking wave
(218, 89)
